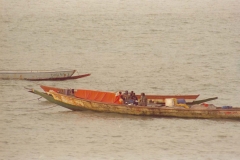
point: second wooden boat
(40, 75)
(61, 78)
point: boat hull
(77, 104)
(51, 99)
(36, 75)
(61, 78)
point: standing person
(143, 100)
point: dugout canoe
(39, 75)
(157, 98)
(79, 104)
(61, 78)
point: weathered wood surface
(61, 78)
(77, 104)
(35, 75)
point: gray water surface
(151, 46)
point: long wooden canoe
(79, 104)
(61, 78)
(158, 98)
(40, 75)
(35, 75)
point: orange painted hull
(159, 98)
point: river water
(151, 46)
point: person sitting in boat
(131, 94)
(73, 91)
(119, 98)
(143, 100)
(130, 99)
(126, 97)
(134, 98)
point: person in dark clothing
(126, 97)
(135, 99)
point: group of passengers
(131, 99)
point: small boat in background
(61, 78)
(40, 75)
